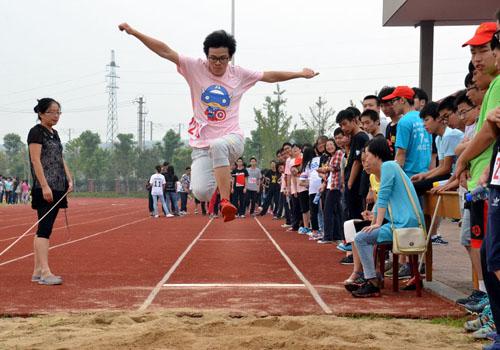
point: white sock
(482, 287)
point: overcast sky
(60, 49)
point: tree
(17, 156)
(253, 147)
(302, 136)
(181, 159)
(272, 126)
(320, 119)
(124, 156)
(171, 141)
(146, 161)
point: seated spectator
(392, 194)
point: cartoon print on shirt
(217, 99)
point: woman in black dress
(51, 182)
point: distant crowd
(14, 191)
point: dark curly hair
(220, 38)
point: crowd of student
(372, 164)
(14, 191)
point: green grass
(449, 321)
(109, 195)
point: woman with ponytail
(51, 183)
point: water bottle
(317, 198)
(478, 194)
(439, 183)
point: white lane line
(299, 274)
(71, 225)
(169, 273)
(233, 239)
(76, 240)
(233, 285)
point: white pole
(232, 25)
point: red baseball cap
(483, 35)
(400, 91)
(297, 161)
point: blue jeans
(163, 204)
(172, 196)
(365, 241)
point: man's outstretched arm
(277, 76)
(154, 45)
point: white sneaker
(169, 215)
(286, 226)
(157, 216)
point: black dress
(51, 158)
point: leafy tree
(181, 159)
(3, 163)
(273, 124)
(253, 147)
(321, 119)
(302, 136)
(171, 141)
(17, 156)
(124, 157)
(147, 160)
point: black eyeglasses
(221, 59)
(462, 113)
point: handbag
(408, 240)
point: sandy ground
(182, 329)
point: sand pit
(184, 329)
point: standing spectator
(1, 188)
(157, 183)
(239, 186)
(17, 191)
(420, 99)
(373, 102)
(253, 185)
(388, 110)
(413, 143)
(25, 192)
(184, 192)
(8, 190)
(51, 182)
(352, 173)
(150, 198)
(370, 121)
(273, 191)
(171, 189)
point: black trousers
(425, 185)
(150, 202)
(239, 200)
(272, 196)
(184, 200)
(45, 226)
(334, 228)
(354, 203)
(492, 288)
(296, 213)
(313, 210)
(252, 197)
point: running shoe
(477, 307)
(347, 260)
(476, 324)
(228, 210)
(475, 296)
(404, 272)
(367, 290)
(438, 240)
(493, 346)
(322, 241)
(286, 225)
(345, 247)
(482, 332)
(50, 281)
(170, 215)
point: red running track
(116, 257)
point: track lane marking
(159, 285)
(299, 274)
(233, 285)
(76, 240)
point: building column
(426, 56)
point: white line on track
(233, 285)
(233, 239)
(76, 240)
(71, 225)
(299, 274)
(169, 273)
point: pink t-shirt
(215, 100)
(25, 187)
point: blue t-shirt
(393, 193)
(447, 143)
(412, 137)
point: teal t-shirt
(393, 193)
(477, 165)
(412, 137)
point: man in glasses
(216, 91)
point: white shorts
(221, 152)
